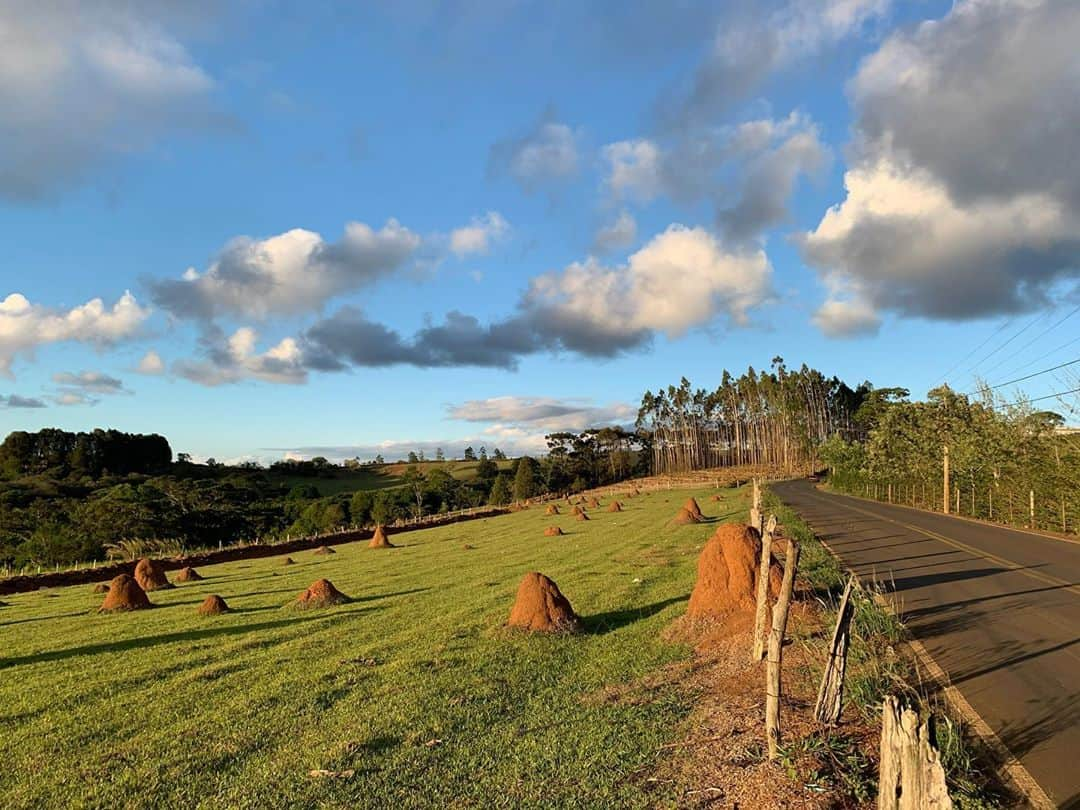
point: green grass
(414, 684)
(384, 476)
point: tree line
(777, 418)
(62, 454)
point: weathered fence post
(763, 590)
(755, 509)
(776, 650)
(1031, 509)
(830, 693)
(911, 776)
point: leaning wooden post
(763, 590)
(776, 650)
(830, 694)
(911, 776)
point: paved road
(999, 610)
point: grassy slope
(382, 477)
(167, 709)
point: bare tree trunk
(830, 694)
(776, 650)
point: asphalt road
(998, 609)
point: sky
(268, 229)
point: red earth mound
(320, 594)
(125, 594)
(101, 587)
(323, 550)
(716, 498)
(728, 572)
(553, 531)
(685, 518)
(583, 516)
(150, 575)
(467, 547)
(577, 510)
(552, 510)
(614, 506)
(213, 605)
(188, 574)
(692, 507)
(540, 607)
(378, 540)
(288, 561)
(594, 503)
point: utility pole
(945, 487)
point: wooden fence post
(911, 775)
(756, 517)
(776, 650)
(763, 590)
(1031, 509)
(830, 694)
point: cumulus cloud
(749, 170)
(94, 382)
(293, 272)
(621, 233)
(25, 326)
(546, 413)
(544, 156)
(17, 401)
(235, 358)
(682, 279)
(81, 83)
(479, 235)
(964, 197)
(151, 364)
(753, 44)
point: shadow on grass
(194, 634)
(601, 623)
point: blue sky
(428, 224)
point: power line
(1034, 374)
(1047, 396)
(1050, 353)
(1029, 324)
(1034, 340)
(944, 377)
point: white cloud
(634, 169)
(291, 273)
(236, 358)
(81, 83)
(479, 235)
(621, 233)
(964, 197)
(683, 278)
(547, 154)
(151, 364)
(25, 326)
(546, 413)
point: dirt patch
(614, 506)
(540, 607)
(151, 576)
(101, 587)
(716, 498)
(467, 547)
(213, 605)
(553, 531)
(728, 572)
(322, 551)
(288, 561)
(720, 761)
(685, 518)
(188, 574)
(125, 593)
(320, 594)
(552, 509)
(379, 539)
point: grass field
(383, 476)
(415, 685)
